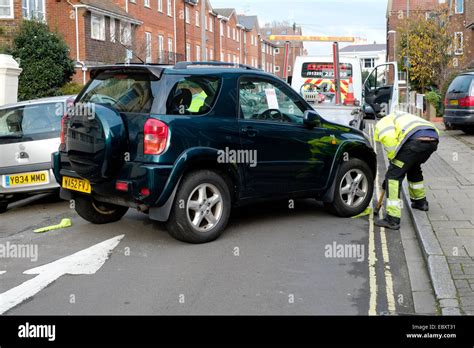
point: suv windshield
(461, 84)
(31, 121)
(125, 92)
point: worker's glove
(384, 185)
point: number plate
(79, 185)
(454, 102)
(27, 179)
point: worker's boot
(390, 222)
(421, 204)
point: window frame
(146, 3)
(148, 47)
(288, 91)
(112, 29)
(169, 8)
(28, 10)
(198, 17)
(160, 6)
(458, 51)
(161, 48)
(12, 10)
(102, 30)
(456, 4)
(129, 40)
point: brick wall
(8, 26)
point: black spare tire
(96, 143)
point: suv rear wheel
(201, 209)
(97, 212)
(468, 130)
(3, 207)
(354, 189)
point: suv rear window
(40, 121)
(125, 92)
(461, 84)
(193, 95)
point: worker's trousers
(407, 162)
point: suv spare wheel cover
(97, 145)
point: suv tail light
(446, 102)
(466, 102)
(155, 137)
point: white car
(29, 134)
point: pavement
(278, 258)
(446, 232)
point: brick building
(461, 24)
(296, 48)
(155, 31)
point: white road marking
(385, 253)
(372, 262)
(87, 261)
(3, 272)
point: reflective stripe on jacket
(197, 102)
(395, 129)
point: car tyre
(97, 212)
(469, 131)
(3, 207)
(360, 191)
(201, 208)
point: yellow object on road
(366, 212)
(65, 223)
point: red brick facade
(160, 31)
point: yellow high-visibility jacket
(395, 129)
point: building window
(98, 27)
(147, 3)
(277, 68)
(112, 29)
(211, 54)
(197, 18)
(369, 63)
(459, 6)
(188, 52)
(170, 49)
(228, 31)
(222, 56)
(148, 47)
(229, 60)
(6, 9)
(188, 15)
(126, 33)
(198, 53)
(168, 8)
(222, 29)
(458, 43)
(211, 26)
(245, 37)
(160, 5)
(161, 48)
(32, 9)
(277, 51)
(233, 34)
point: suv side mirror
(311, 119)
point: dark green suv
(186, 143)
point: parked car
(459, 103)
(145, 149)
(29, 134)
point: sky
(360, 18)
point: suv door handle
(249, 131)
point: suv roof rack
(185, 65)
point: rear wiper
(456, 92)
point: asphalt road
(271, 260)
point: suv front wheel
(201, 209)
(354, 189)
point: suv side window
(193, 95)
(265, 100)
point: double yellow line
(372, 257)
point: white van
(318, 71)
